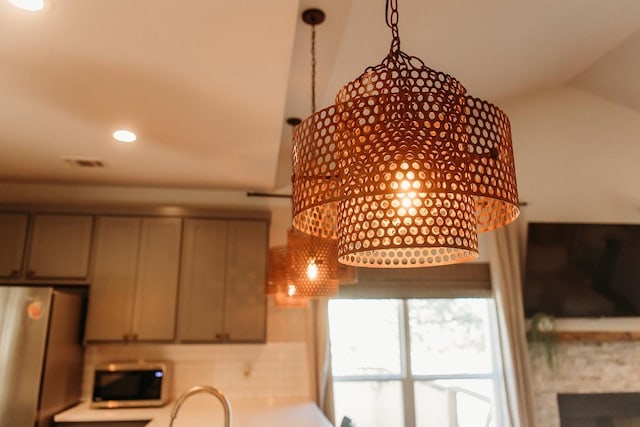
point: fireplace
(599, 410)
(587, 369)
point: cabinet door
(60, 246)
(112, 290)
(13, 230)
(201, 300)
(154, 313)
(245, 301)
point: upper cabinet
(245, 301)
(13, 233)
(222, 281)
(60, 247)
(151, 278)
(57, 246)
(135, 278)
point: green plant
(543, 337)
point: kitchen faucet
(203, 389)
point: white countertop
(204, 410)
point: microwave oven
(130, 384)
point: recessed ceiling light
(124, 135)
(31, 5)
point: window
(415, 362)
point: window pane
(365, 337)
(369, 403)
(449, 336)
(455, 403)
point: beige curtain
(505, 265)
(320, 355)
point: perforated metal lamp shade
(312, 264)
(404, 169)
(277, 283)
(290, 278)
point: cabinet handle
(135, 337)
(15, 273)
(218, 336)
(31, 273)
(125, 337)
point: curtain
(505, 266)
(320, 359)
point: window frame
(408, 379)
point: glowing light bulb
(291, 290)
(312, 270)
(406, 183)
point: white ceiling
(207, 85)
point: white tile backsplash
(238, 370)
(277, 369)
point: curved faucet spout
(203, 389)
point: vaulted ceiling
(207, 85)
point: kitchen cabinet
(221, 295)
(13, 233)
(57, 246)
(135, 278)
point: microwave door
(24, 316)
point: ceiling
(207, 85)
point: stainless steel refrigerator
(41, 354)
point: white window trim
(408, 379)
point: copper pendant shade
(405, 168)
(312, 265)
(306, 267)
(278, 285)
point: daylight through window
(415, 362)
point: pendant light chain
(392, 22)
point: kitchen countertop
(204, 410)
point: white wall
(576, 157)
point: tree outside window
(415, 362)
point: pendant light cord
(313, 69)
(313, 17)
(313, 106)
(313, 111)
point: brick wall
(582, 367)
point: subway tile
(275, 369)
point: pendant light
(306, 267)
(312, 265)
(278, 284)
(311, 268)
(405, 168)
